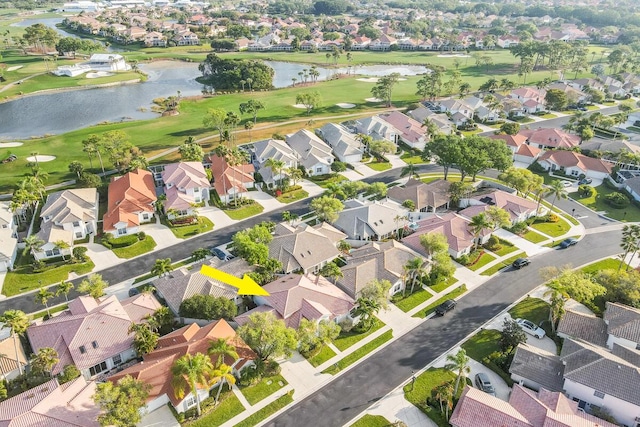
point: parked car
(483, 382)
(531, 328)
(521, 262)
(585, 181)
(566, 183)
(133, 292)
(568, 242)
(448, 305)
(219, 253)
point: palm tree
(45, 360)
(335, 190)
(224, 374)
(295, 175)
(64, 287)
(344, 246)
(276, 167)
(145, 340)
(188, 372)
(366, 309)
(556, 309)
(331, 271)
(398, 219)
(477, 225)
(33, 244)
(415, 269)
(61, 245)
(458, 363)
(558, 191)
(249, 81)
(18, 321)
(409, 170)
(630, 239)
(42, 297)
(221, 348)
(162, 267)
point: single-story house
(411, 131)
(186, 184)
(575, 164)
(79, 333)
(155, 369)
(131, 202)
(549, 139)
(370, 220)
(67, 215)
(536, 368)
(518, 208)
(344, 143)
(312, 152)
(426, 197)
(295, 297)
(231, 181)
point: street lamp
(573, 212)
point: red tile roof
(226, 178)
(129, 194)
(551, 138)
(568, 159)
(155, 369)
(511, 140)
(454, 227)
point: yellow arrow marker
(246, 285)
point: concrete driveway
(546, 343)
(163, 236)
(161, 417)
(101, 256)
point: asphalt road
(343, 399)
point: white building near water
(107, 62)
(81, 6)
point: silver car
(531, 328)
(484, 383)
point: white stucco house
(575, 164)
(185, 185)
(8, 237)
(312, 152)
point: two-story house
(8, 237)
(67, 215)
(412, 132)
(277, 150)
(345, 146)
(131, 202)
(371, 220)
(185, 185)
(231, 181)
(312, 152)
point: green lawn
(439, 287)
(630, 213)
(379, 166)
(324, 180)
(347, 339)
(227, 408)
(534, 237)
(359, 353)
(244, 211)
(506, 248)
(23, 279)
(138, 248)
(604, 264)
(422, 389)
(293, 196)
(322, 356)
(52, 310)
(522, 120)
(267, 411)
(372, 421)
(481, 345)
(485, 259)
(410, 302)
(548, 116)
(502, 264)
(553, 229)
(186, 231)
(533, 309)
(266, 387)
(431, 307)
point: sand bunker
(368, 79)
(373, 99)
(345, 105)
(99, 74)
(457, 55)
(40, 158)
(10, 144)
(402, 80)
(301, 106)
(15, 67)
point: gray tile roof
(184, 283)
(585, 327)
(623, 321)
(360, 220)
(604, 371)
(310, 149)
(538, 366)
(432, 195)
(340, 140)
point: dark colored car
(133, 292)
(584, 181)
(484, 383)
(521, 262)
(568, 242)
(219, 253)
(448, 305)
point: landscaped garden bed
(244, 211)
(192, 228)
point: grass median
(267, 411)
(347, 339)
(502, 264)
(264, 388)
(413, 300)
(432, 307)
(359, 353)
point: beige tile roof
(8, 360)
(432, 195)
(66, 206)
(568, 159)
(454, 227)
(514, 205)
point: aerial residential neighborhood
(328, 213)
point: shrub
(80, 253)
(552, 218)
(617, 200)
(535, 167)
(464, 260)
(518, 228)
(123, 242)
(70, 372)
(338, 166)
(586, 191)
(346, 325)
(493, 244)
(141, 235)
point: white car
(566, 183)
(531, 328)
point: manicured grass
(410, 159)
(471, 132)
(482, 344)
(553, 229)
(186, 231)
(325, 180)
(507, 248)
(432, 307)
(533, 309)
(604, 264)
(293, 196)
(23, 279)
(372, 421)
(266, 387)
(410, 302)
(533, 237)
(267, 411)
(347, 339)
(244, 212)
(522, 120)
(379, 166)
(485, 259)
(548, 116)
(359, 353)
(138, 248)
(322, 356)
(226, 409)
(596, 202)
(502, 264)
(422, 389)
(439, 287)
